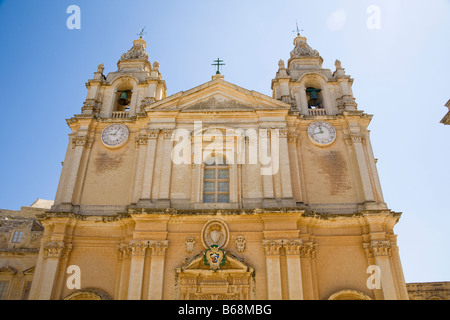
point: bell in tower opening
(124, 100)
(314, 100)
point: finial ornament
(100, 68)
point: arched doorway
(88, 294)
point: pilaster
(158, 254)
(272, 249)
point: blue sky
(400, 71)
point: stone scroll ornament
(137, 52)
(302, 49)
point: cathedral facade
(219, 192)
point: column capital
(308, 250)
(168, 133)
(293, 247)
(283, 133)
(141, 140)
(353, 138)
(152, 133)
(272, 247)
(124, 251)
(377, 249)
(56, 249)
(158, 247)
(82, 141)
(138, 247)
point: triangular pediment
(233, 264)
(218, 96)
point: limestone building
(20, 240)
(220, 192)
(446, 119)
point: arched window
(216, 181)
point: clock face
(322, 133)
(115, 135)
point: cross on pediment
(218, 64)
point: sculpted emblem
(215, 233)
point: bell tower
(308, 87)
(330, 141)
(118, 97)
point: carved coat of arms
(214, 257)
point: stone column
(303, 100)
(308, 254)
(141, 143)
(66, 193)
(158, 255)
(294, 269)
(381, 252)
(53, 252)
(166, 170)
(265, 154)
(147, 181)
(272, 248)
(124, 264)
(357, 141)
(285, 168)
(138, 249)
